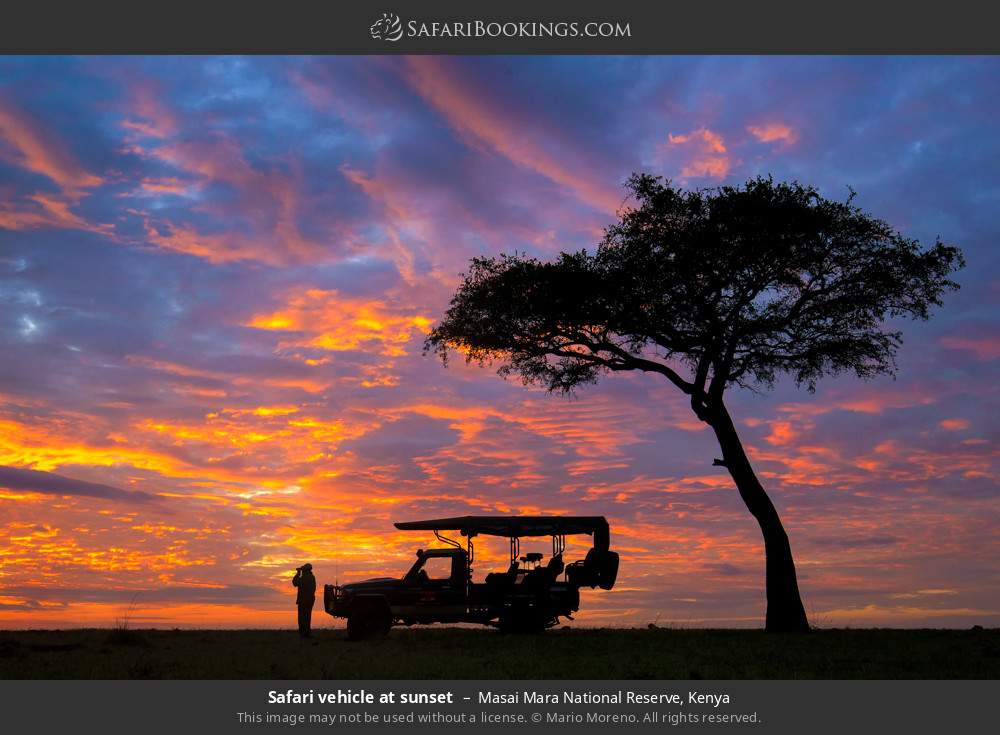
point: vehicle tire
(522, 621)
(506, 623)
(368, 620)
(535, 624)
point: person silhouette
(306, 584)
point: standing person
(306, 583)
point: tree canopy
(738, 284)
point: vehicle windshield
(433, 568)
(438, 567)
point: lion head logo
(387, 28)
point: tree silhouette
(708, 289)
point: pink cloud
(26, 144)
(269, 200)
(215, 248)
(705, 151)
(984, 348)
(713, 142)
(33, 149)
(147, 115)
(168, 185)
(497, 128)
(710, 167)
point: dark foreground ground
(452, 653)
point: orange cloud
(337, 323)
(954, 424)
(782, 432)
(228, 449)
(177, 370)
(772, 132)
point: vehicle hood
(380, 583)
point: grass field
(446, 653)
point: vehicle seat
(598, 569)
(502, 579)
(583, 572)
(547, 575)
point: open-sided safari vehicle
(529, 596)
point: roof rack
(516, 526)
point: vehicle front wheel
(368, 621)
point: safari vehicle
(529, 596)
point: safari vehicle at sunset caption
(529, 596)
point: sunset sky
(216, 275)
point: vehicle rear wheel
(368, 620)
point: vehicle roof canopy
(513, 526)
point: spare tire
(607, 570)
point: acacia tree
(709, 289)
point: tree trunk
(784, 605)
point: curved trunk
(784, 605)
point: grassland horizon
(450, 652)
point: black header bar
(510, 27)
